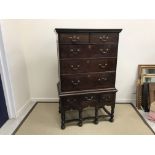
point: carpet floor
(45, 120)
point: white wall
(16, 63)
(39, 45)
(136, 46)
(37, 51)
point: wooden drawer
(89, 100)
(70, 102)
(87, 65)
(107, 98)
(87, 51)
(87, 81)
(73, 38)
(74, 51)
(101, 38)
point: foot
(62, 126)
(96, 121)
(111, 120)
(80, 124)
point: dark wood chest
(87, 71)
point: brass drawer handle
(75, 83)
(104, 51)
(74, 38)
(102, 79)
(106, 98)
(102, 66)
(74, 51)
(71, 100)
(89, 98)
(104, 38)
(76, 67)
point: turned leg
(62, 119)
(80, 118)
(96, 115)
(59, 106)
(59, 109)
(112, 113)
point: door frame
(6, 82)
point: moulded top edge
(65, 30)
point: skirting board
(10, 126)
(133, 101)
(26, 107)
(45, 100)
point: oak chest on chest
(87, 71)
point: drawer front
(89, 100)
(87, 81)
(101, 38)
(70, 102)
(106, 50)
(73, 38)
(74, 51)
(86, 51)
(87, 65)
(107, 99)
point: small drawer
(70, 102)
(89, 100)
(101, 38)
(73, 38)
(74, 51)
(107, 98)
(87, 81)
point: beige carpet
(45, 120)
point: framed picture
(146, 74)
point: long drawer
(87, 65)
(87, 81)
(86, 51)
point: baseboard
(11, 125)
(25, 108)
(45, 100)
(133, 101)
